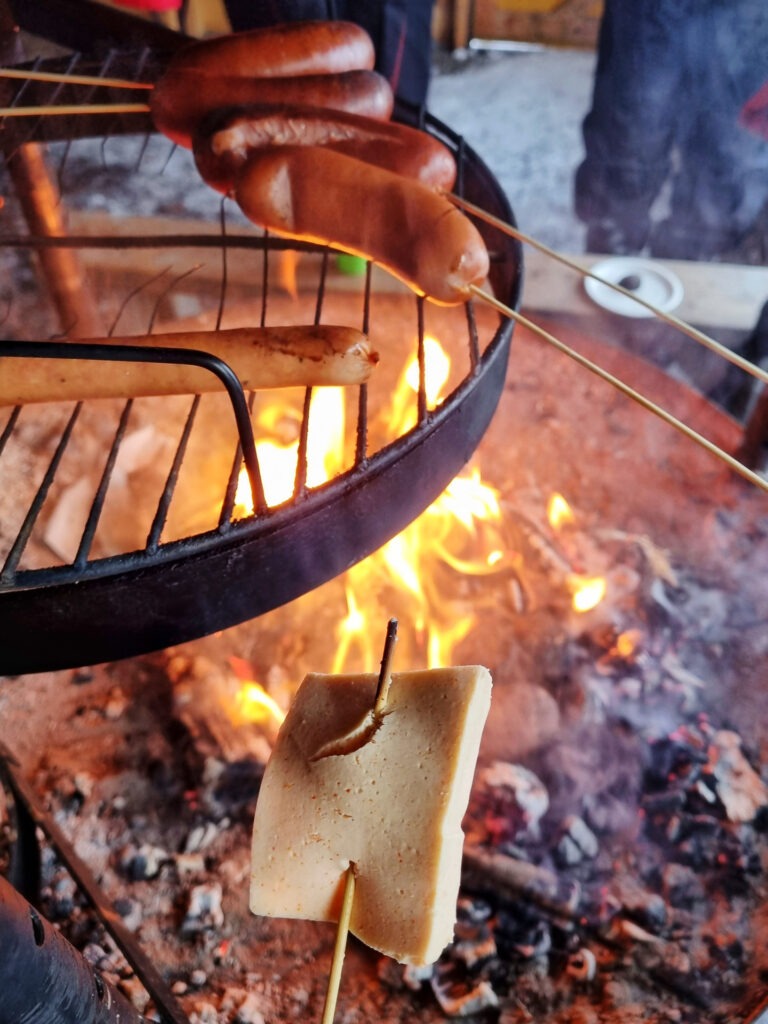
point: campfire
(614, 854)
(610, 575)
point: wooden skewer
(342, 931)
(57, 76)
(340, 947)
(692, 332)
(646, 403)
(385, 675)
(67, 109)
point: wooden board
(716, 294)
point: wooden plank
(715, 294)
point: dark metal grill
(92, 608)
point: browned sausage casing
(291, 48)
(323, 196)
(262, 357)
(183, 98)
(220, 155)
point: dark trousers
(671, 79)
(400, 30)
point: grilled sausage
(184, 97)
(291, 48)
(263, 357)
(220, 154)
(323, 196)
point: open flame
(278, 456)
(420, 576)
(459, 534)
(586, 591)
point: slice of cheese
(393, 807)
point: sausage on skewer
(316, 194)
(225, 147)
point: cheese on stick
(261, 357)
(392, 807)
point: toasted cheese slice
(393, 807)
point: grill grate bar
(9, 426)
(153, 540)
(474, 340)
(422, 396)
(8, 573)
(361, 441)
(300, 481)
(89, 532)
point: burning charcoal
(512, 801)
(241, 1007)
(189, 863)
(576, 843)
(200, 837)
(142, 863)
(525, 932)
(474, 941)
(135, 991)
(63, 896)
(582, 965)
(203, 909)
(674, 759)
(462, 997)
(198, 978)
(117, 702)
(131, 913)
(739, 787)
(683, 887)
(204, 1013)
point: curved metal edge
(243, 577)
(225, 581)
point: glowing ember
(587, 593)
(559, 512)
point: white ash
(204, 909)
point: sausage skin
(220, 154)
(183, 98)
(261, 357)
(290, 48)
(319, 195)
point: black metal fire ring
(64, 617)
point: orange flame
(559, 512)
(278, 457)
(254, 704)
(458, 533)
(587, 592)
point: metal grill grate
(91, 607)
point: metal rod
(17, 549)
(97, 506)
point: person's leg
(400, 30)
(629, 130)
(721, 184)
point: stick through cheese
(392, 807)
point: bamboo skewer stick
(340, 948)
(56, 76)
(692, 332)
(67, 109)
(342, 931)
(630, 392)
